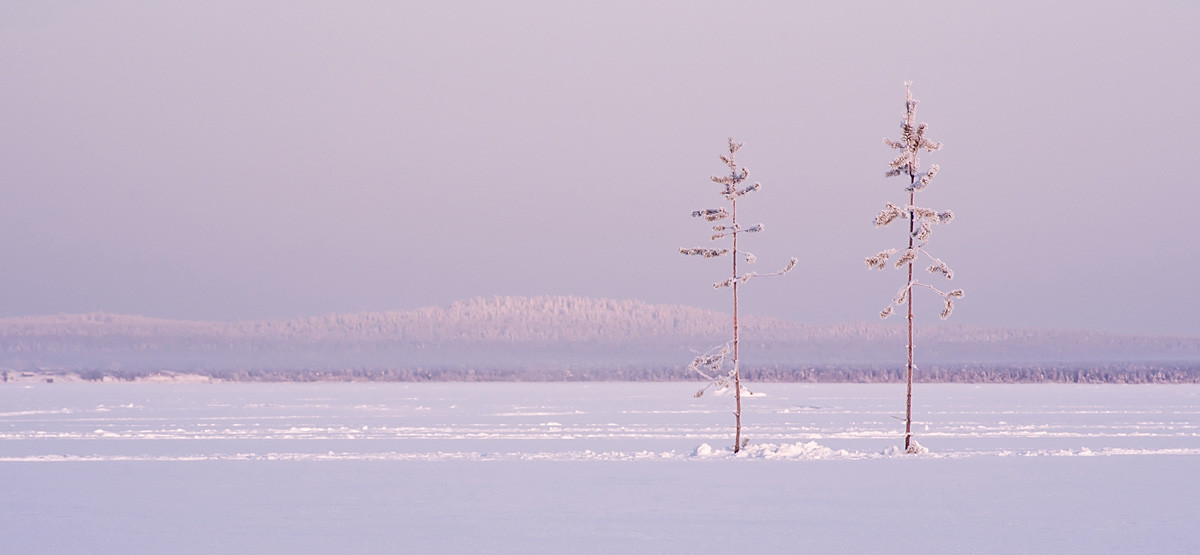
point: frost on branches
(921, 222)
(711, 363)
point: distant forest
(566, 339)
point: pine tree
(920, 227)
(710, 364)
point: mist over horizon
(895, 323)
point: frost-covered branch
(749, 275)
(939, 267)
(711, 214)
(706, 253)
(791, 264)
(743, 191)
(912, 141)
(709, 364)
(889, 214)
(902, 297)
(926, 178)
(729, 230)
(923, 219)
(879, 261)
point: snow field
(595, 468)
(586, 421)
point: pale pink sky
(233, 160)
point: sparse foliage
(711, 363)
(920, 227)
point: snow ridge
(799, 452)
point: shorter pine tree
(710, 364)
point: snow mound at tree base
(914, 448)
(790, 451)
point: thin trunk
(737, 374)
(908, 405)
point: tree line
(1108, 373)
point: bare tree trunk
(908, 405)
(737, 373)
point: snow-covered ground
(595, 467)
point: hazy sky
(238, 160)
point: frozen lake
(595, 467)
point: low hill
(539, 333)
